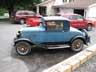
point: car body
(33, 21)
(53, 32)
(78, 21)
(20, 16)
(92, 20)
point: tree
(11, 4)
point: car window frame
(76, 17)
(54, 29)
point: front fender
(16, 40)
(78, 37)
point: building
(47, 6)
(91, 11)
(76, 6)
(51, 7)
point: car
(78, 21)
(33, 21)
(20, 16)
(92, 19)
(54, 32)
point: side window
(76, 17)
(55, 26)
(19, 14)
(25, 13)
(73, 17)
(80, 18)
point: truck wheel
(22, 21)
(77, 45)
(23, 48)
(89, 27)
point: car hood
(37, 28)
(74, 29)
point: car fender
(78, 37)
(22, 39)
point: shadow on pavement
(41, 59)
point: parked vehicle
(33, 21)
(92, 19)
(20, 16)
(52, 33)
(78, 21)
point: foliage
(10, 5)
(2, 11)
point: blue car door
(56, 33)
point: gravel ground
(90, 65)
(39, 59)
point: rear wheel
(89, 27)
(77, 45)
(23, 48)
(22, 21)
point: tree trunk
(10, 10)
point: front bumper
(88, 39)
(14, 41)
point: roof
(44, 3)
(48, 18)
(80, 4)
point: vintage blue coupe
(53, 32)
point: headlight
(84, 32)
(18, 34)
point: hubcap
(89, 27)
(77, 45)
(22, 49)
(22, 21)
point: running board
(57, 46)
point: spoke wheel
(89, 27)
(77, 45)
(23, 48)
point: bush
(2, 11)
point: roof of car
(48, 18)
(23, 11)
(67, 14)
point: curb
(74, 62)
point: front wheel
(23, 48)
(77, 45)
(89, 27)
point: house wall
(91, 11)
(58, 2)
(69, 10)
(63, 10)
(50, 10)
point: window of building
(64, 0)
(71, 0)
(57, 10)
